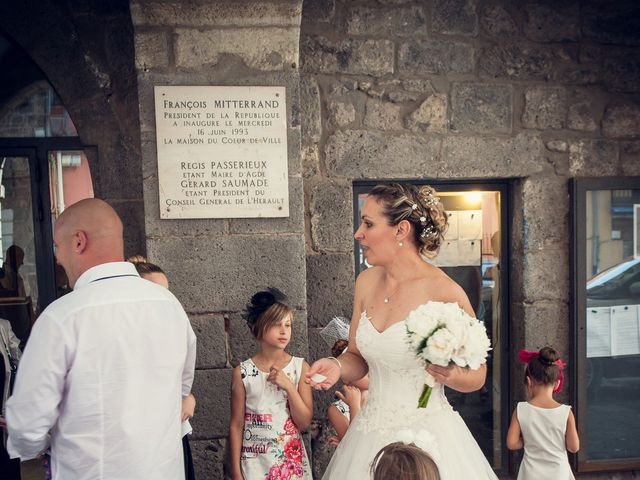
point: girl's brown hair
(266, 309)
(421, 207)
(543, 368)
(401, 461)
(143, 266)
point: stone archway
(87, 54)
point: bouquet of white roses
(442, 334)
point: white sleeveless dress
(396, 379)
(272, 447)
(545, 452)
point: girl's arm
(514, 437)
(300, 399)
(236, 425)
(338, 421)
(571, 435)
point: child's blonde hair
(403, 462)
(266, 309)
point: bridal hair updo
(266, 309)
(421, 207)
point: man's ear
(81, 241)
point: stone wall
(214, 265)
(529, 91)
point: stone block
(212, 343)
(545, 108)
(518, 156)
(366, 57)
(546, 273)
(220, 13)
(331, 283)
(497, 21)
(151, 50)
(584, 114)
(430, 116)
(331, 211)
(622, 121)
(630, 158)
(294, 223)
(552, 23)
(294, 156)
(516, 61)
(259, 48)
(557, 146)
(593, 158)
(341, 114)
(131, 212)
(619, 25)
(359, 154)
(622, 70)
(209, 457)
(454, 17)
(481, 107)
(546, 211)
(547, 323)
(230, 268)
(310, 161)
(437, 57)
(383, 115)
(400, 21)
(310, 114)
(212, 389)
(315, 11)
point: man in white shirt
(106, 366)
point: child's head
(543, 367)
(149, 271)
(339, 347)
(266, 310)
(404, 461)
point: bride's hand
(442, 375)
(326, 368)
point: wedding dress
(396, 379)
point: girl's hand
(326, 367)
(443, 375)
(188, 407)
(280, 379)
(351, 396)
(333, 440)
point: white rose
(477, 345)
(440, 347)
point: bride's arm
(353, 365)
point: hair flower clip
(423, 220)
(414, 206)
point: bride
(399, 224)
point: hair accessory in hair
(414, 206)
(260, 302)
(421, 439)
(429, 232)
(423, 220)
(525, 356)
(428, 198)
(336, 329)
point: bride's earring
(400, 244)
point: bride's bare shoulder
(446, 289)
(370, 275)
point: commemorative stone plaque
(222, 152)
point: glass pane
(18, 277)
(36, 111)
(613, 324)
(70, 182)
(470, 255)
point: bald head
(88, 233)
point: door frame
(36, 150)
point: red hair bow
(525, 356)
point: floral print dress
(272, 446)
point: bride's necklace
(386, 298)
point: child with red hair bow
(545, 428)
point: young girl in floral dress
(269, 404)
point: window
(472, 254)
(606, 319)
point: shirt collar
(111, 269)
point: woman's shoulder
(371, 274)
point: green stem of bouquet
(424, 396)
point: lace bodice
(396, 379)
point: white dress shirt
(104, 372)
